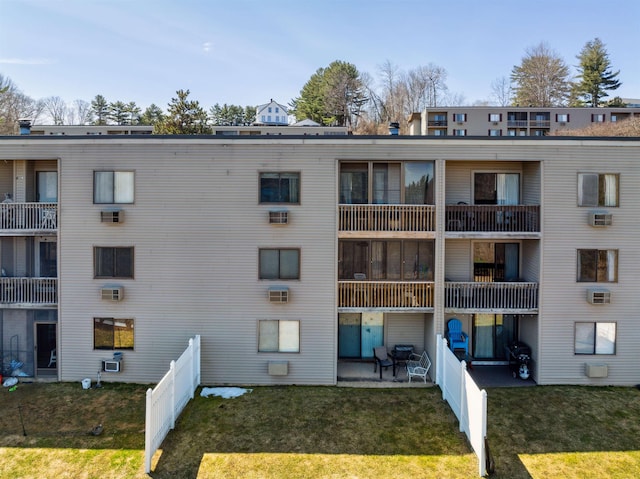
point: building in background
(510, 121)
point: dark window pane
(587, 265)
(124, 262)
(269, 263)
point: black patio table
(400, 354)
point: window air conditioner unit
(596, 370)
(495, 122)
(598, 296)
(112, 293)
(278, 217)
(110, 366)
(112, 216)
(279, 295)
(600, 218)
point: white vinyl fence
(465, 398)
(166, 401)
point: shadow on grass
(314, 421)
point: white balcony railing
(412, 218)
(385, 294)
(39, 291)
(29, 216)
(488, 296)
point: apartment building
(289, 255)
(510, 121)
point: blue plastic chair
(457, 338)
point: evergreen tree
(184, 117)
(332, 96)
(118, 113)
(100, 109)
(152, 115)
(595, 75)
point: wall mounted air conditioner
(278, 368)
(596, 370)
(278, 294)
(598, 296)
(110, 366)
(112, 216)
(112, 293)
(600, 218)
(278, 217)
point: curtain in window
(123, 187)
(103, 187)
(289, 336)
(610, 190)
(511, 261)
(508, 188)
(612, 256)
(293, 181)
(268, 336)
(605, 338)
(483, 325)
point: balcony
(28, 291)
(493, 218)
(386, 295)
(511, 297)
(540, 123)
(517, 123)
(385, 218)
(23, 218)
(437, 123)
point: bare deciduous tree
(542, 79)
(501, 91)
(56, 108)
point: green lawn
(319, 432)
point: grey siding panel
(458, 260)
(563, 298)
(196, 227)
(405, 328)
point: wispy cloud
(26, 61)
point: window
(598, 189)
(406, 260)
(495, 117)
(598, 118)
(278, 336)
(459, 132)
(113, 187)
(279, 187)
(269, 109)
(113, 262)
(597, 266)
(112, 333)
(496, 188)
(460, 117)
(279, 263)
(562, 118)
(495, 132)
(595, 338)
(262, 118)
(277, 110)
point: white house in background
(272, 113)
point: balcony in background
(508, 297)
(386, 218)
(493, 218)
(28, 292)
(385, 295)
(28, 218)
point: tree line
(341, 95)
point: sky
(247, 52)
